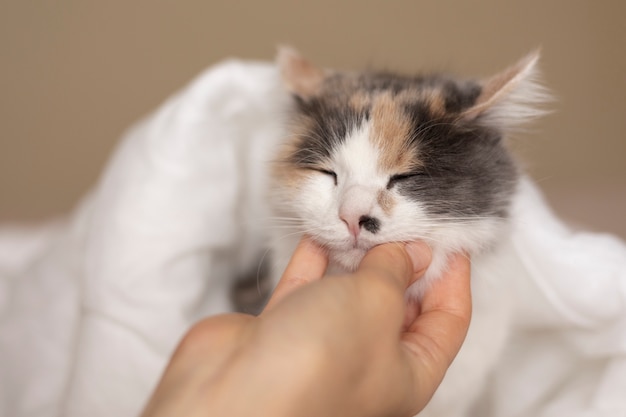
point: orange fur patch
(390, 134)
(386, 201)
(360, 101)
(435, 101)
(284, 172)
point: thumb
(402, 264)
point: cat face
(375, 158)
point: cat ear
(512, 97)
(300, 76)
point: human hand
(344, 346)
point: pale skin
(341, 346)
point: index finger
(435, 337)
(308, 263)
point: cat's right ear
(300, 76)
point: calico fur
(376, 157)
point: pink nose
(355, 208)
(357, 222)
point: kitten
(375, 157)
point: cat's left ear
(511, 97)
(300, 76)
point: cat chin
(346, 260)
(344, 255)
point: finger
(435, 337)
(384, 274)
(421, 256)
(401, 264)
(446, 306)
(452, 293)
(308, 263)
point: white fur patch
(323, 205)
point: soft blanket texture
(92, 306)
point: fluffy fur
(378, 157)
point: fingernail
(420, 254)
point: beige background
(75, 74)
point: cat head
(373, 157)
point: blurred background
(74, 75)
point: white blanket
(92, 306)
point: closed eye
(327, 172)
(395, 179)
